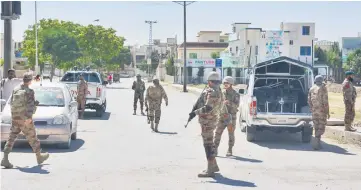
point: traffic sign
(218, 63)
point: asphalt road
(119, 151)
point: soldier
(139, 88)
(349, 98)
(23, 106)
(232, 102)
(210, 105)
(318, 102)
(153, 102)
(82, 91)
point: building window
(291, 42)
(305, 50)
(305, 30)
(221, 40)
(230, 50)
(234, 29)
(192, 55)
(236, 49)
(248, 42)
(256, 50)
(210, 40)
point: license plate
(281, 121)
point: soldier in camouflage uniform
(210, 106)
(23, 106)
(82, 91)
(231, 102)
(318, 102)
(139, 88)
(349, 98)
(153, 102)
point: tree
(170, 66)
(154, 61)
(1, 62)
(61, 46)
(321, 55)
(215, 55)
(143, 66)
(354, 62)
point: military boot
(81, 115)
(209, 172)
(229, 152)
(135, 112)
(350, 128)
(152, 125)
(5, 161)
(316, 143)
(156, 127)
(216, 151)
(41, 157)
(143, 114)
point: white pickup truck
(96, 96)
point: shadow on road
(92, 116)
(117, 87)
(167, 133)
(242, 159)
(231, 182)
(25, 147)
(35, 169)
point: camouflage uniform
(139, 88)
(153, 100)
(22, 113)
(210, 105)
(349, 98)
(82, 90)
(318, 102)
(233, 97)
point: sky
(333, 19)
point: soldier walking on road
(209, 105)
(349, 98)
(82, 91)
(153, 102)
(318, 102)
(23, 106)
(139, 88)
(232, 103)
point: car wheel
(100, 111)
(306, 134)
(250, 134)
(65, 145)
(73, 136)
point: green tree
(321, 55)
(61, 46)
(1, 62)
(215, 55)
(143, 66)
(170, 66)
(155, 57)
(354, 62)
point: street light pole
(184, 4)
(36, 41)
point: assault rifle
(195, 107)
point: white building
(349, 45)
(293, 40)
(325, 44)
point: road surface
(119, 151)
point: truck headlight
(6, 120)
(60, 120)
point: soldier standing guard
(318, 102)
(153, 102)
(210, 105)
(139, 88)
(349, 98)
(82, 91)
(23, 106)
(232, 103)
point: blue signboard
(218, 63)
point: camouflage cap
(214, 76)
(27, 77)
(11, 70)
(349, 73)
(319, 79)
(228, 79)
(138, 75)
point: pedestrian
(23, 106)
(318, 102)
(139, 88)
(153, 101)
(37, 78)
(8, 84)
(231, 101)
(349, 99)
(82, 90)
(209, 107)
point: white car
(96, 97)
(55, 119)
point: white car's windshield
(49, 96)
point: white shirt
(9, 86)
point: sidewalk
(334, 130)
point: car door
(73, 110)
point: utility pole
(184, 4)
(10, 10)
(36, 41)
(149, 52)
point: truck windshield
(74, 77)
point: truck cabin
(282, 86)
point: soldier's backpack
(154, 93)
(18, 103)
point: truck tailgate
(275, 118)
(92, 89)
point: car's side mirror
(241, 91)
(105, 82)
(3, 102)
